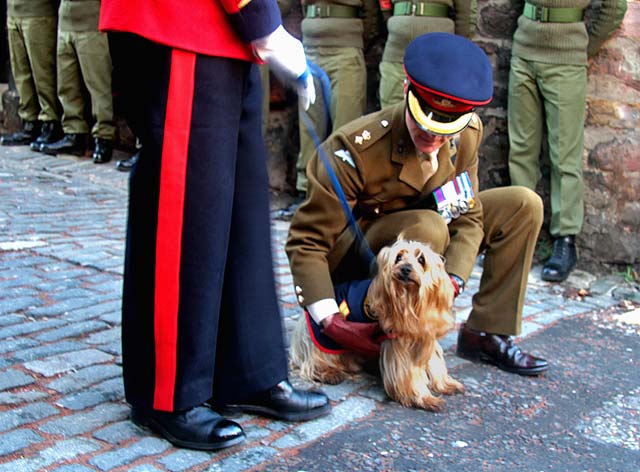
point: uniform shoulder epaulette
(366, 132)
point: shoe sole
(271, 413)
(547, 278)
(151, 424)
(512, 370)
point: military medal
(455, 198)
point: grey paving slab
(30, 413)
(14, 378)
(68, 362)
(126, 455)
(15, 440)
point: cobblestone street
(62, 224)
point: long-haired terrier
(411, 297)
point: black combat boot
(562, 260)
(103, 151)
(28, 133)
(50, 132)
(75, 144)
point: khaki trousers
(391, 86)
(32, 45)
(346, 69)
(555, 95)
(83, 58)
(512, 220)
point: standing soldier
(201, 328)
(408, 20)
(83, 57)
(548, 84)
(333, 37)
(31, 28)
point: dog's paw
(452, 386)
(431, 403)
(331, 377)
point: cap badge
(443, 103)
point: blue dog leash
(363, 246)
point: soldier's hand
(285, 56)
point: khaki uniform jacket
(380, 172)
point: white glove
(285, 56)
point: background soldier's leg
(41, 47)
(348, 75)
(70, 87)
(95, 64)
(525, 124)
(564, 90)
(28, 108)
(391, 87)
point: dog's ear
(383, 257)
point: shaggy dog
(411, 297)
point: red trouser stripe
(173, 174)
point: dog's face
(413, 290)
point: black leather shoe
(499, 351)
(125, 165)
(28, 133)
(196, 428)
(103, 151)
(283, 402)
(562, 260)
(50, 132)
(75, 144)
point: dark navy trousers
(200, 317)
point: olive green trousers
(32, 46)
(552, 96)
(391, 88)
(346, 69)
(84, 61)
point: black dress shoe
(103, 151)
(283, 402)
(50, 132)
(562, 260)
(499, 351)
(75, 144)
(196, 428)
(28, 133)
(125, 165)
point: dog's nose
(405, 271)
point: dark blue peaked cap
(448, 77)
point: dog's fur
(412, 297)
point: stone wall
(611, 232)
